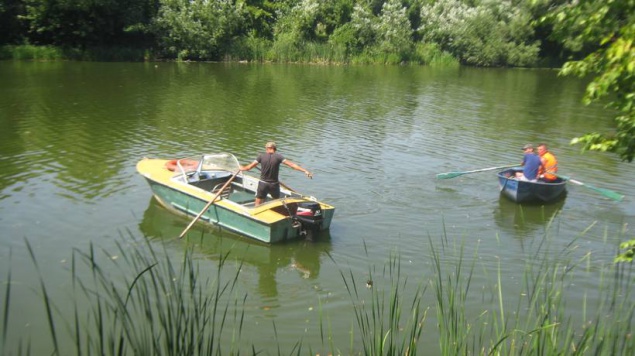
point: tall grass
(247, 49)
(53, 53)
(389, 321)
(539, 324)
(172, 309)
(163, 309)
(30, 52)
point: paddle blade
(607, 193)
(449, 175)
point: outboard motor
(309, 215)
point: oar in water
(449, 175)
(607, 193)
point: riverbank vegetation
(136, 300)
(481, 33)
(592, 37)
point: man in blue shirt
(531, 163)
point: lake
(375, 138)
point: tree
(261, 16)
(11, 27)
(197, 29)
(393, 28)
(81, 23)
(482, 33)
(604, 32)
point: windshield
(220, 161)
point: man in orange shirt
(549, 164)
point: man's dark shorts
(265, 188)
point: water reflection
(214, 243)
(522, 218)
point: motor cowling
(309, 214)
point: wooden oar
(607, 193)
(209, 204)
(449, 175)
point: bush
(431, 54)
(493, 33)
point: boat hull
(530, 192)
(271, 222)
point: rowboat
(529, 192)
(187, 185)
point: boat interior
(215, 181)
(211, 173)
(241, 191)
(511, 174)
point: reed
(30, 52)
(389, 320)
(430, 54)
(53, 53)
(163, 309)
(540, 323)
(168, 308)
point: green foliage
(384, 38)
(28, 52)
(196, 29)
(431, 54)
(628, 252)
(606, 29)
(491, 33)
(11, 26)
(250, 48)
(308, 25)
(82, 23)
(344, 41)
(301, 23)
(363, 22)
(260, 17)
(393, 30)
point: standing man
(531, 164)
(270, 162)
(549, 164)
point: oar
(449, 175)
(607, 193)
(209, 204)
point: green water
(375, 138)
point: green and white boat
(187, 185)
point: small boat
(187, 185)
(530, 192)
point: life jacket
(549, 166)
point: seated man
(549, 164)
(531, 163)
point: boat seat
(242, 198)
(224, 193)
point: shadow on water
(522, 218)
(213, 243)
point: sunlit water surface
(375, 138)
